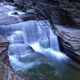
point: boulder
(47, 9)
(50, 12)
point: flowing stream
(34, 51)
(34, 39)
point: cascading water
(16, 14)
(40, 33)
(29, 42)
(6, 8)
(34, 50)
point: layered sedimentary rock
(4, 51)
(7, 74)
(65, 12)
(45, 8)
(40, 8)
(70, 13)
(69, 40)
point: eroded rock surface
(64, 12)
(7, 74)
(4, 51)
(69, 40)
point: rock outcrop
(64, 12)
(69, 40)
(7, 74)
(4, 51)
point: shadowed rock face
(70, 13)
(10, 0)
(57, 12)
(66, 12)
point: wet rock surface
(69, 40)
(70, 13)
(7, 74)
(3, 50)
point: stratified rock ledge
(69, 40)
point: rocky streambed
(64, 18)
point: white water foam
(39, 36)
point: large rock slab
(69, 40)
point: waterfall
(39, 35)
(40, 32)
(31, 41)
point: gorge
(35, 44)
